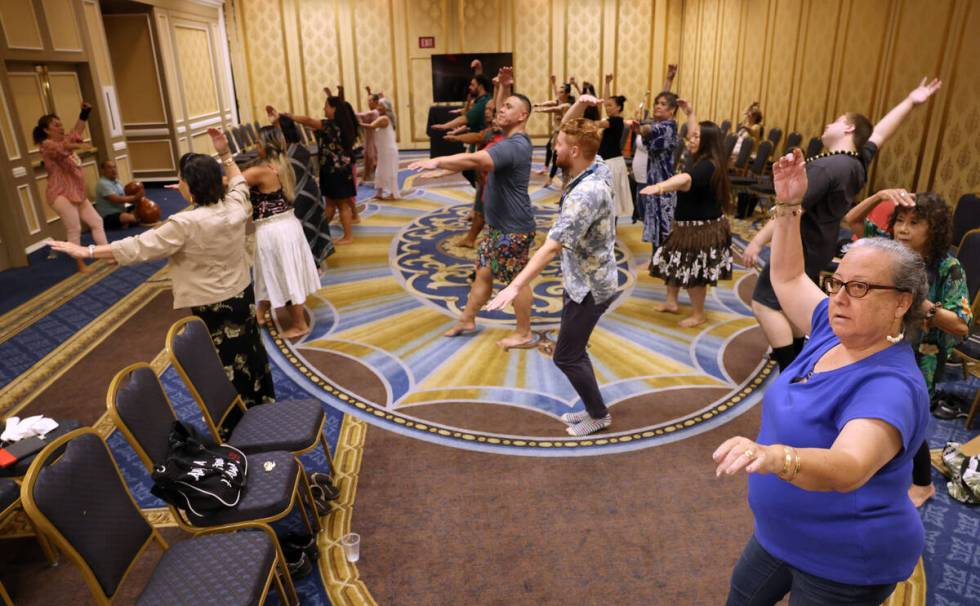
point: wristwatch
(91, 251)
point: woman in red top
(66, 185)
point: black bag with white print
(199, 476)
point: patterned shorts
(505, 254)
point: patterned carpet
(376, 360)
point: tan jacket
(205, 247)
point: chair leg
(50, 553)
(4, 596)
(308, 490)
(280, 589)
(326, 452)
(973, 410)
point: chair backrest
(196, 360)
(80, 500)
(239, 136)
(775, 134)
(252, 132)
(969, 256)
(744, 152)
(141, 410)
(725, 126)
(966, 216)
(231, 141)
(814, 147)
(730, 140)
(761, 158)
(792, 140)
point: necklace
(841, 152)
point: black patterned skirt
(235, 333)
(696, 253)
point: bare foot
(667, 308)
(294, 332)
(460, 328)
(920, 494)
(692, 320)
(355, 220)
(343, 241)
(541, 171)
(261, 310)
(515, 341)
(464, 243)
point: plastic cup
(352, 546)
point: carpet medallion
(388, 298)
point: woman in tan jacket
(209, 268)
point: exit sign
(427, 41)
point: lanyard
(578, 179)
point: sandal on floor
(330, 491)
(323, 506)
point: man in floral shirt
(585, 234)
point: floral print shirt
(333, 157)
(586, 229)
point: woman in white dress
(285, 271)
(386, 175)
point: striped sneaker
(571, 418)
(589, 426)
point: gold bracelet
(787, 461)
(796, 471)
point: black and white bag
(198, 475)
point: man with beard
(503, 251)
(585, 235)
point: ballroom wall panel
(806, 61)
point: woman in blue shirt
(829, 470)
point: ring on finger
(749, 453)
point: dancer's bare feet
(294, 332)
(667, 308)
(541, 171)
(343, 241)
(460, 328)
(464, 243)
(515, 340)
(693, 320)
(920, 494)
(261, 310)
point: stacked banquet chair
(968, 352)
(295, 426)
(9, 500)
(814, 147)
(275, 481)
(742, 184)
(80, 501)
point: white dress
(285, 270)
(386, 175)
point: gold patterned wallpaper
(806, 61)
(196, 70)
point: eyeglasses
(855, 288)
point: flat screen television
(451, 74)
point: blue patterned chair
(81, 502)
(296, 425)
(140, 409)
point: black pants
(548, 153)
(577, 322)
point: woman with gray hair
(386, 176)
(828, 473)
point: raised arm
(607, 86)
(669, 80)
(887, 126)
(381, 122)
(856, 216)
(480, 160)
(82, 118)
(578, 109)
(692, 120)
(503, 85)
(571, 80)
(554, 88)
(679, 182)
(304, 120)
(797, 294)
